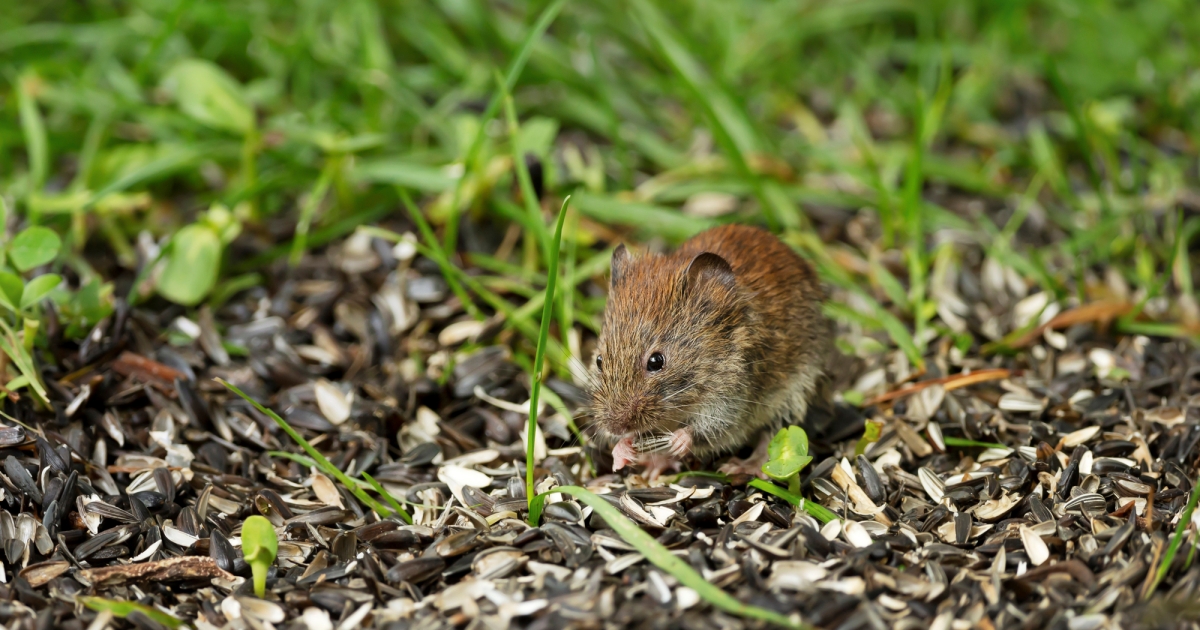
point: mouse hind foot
(751, 465)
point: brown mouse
(704, 349)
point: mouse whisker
(685, 389)
(749, 402)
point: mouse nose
(625, 418)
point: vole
(707, 348)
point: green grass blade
(403, 172)
(442, 259)
(20, 356)
(814, 509)
(122, 609)
(323, 463)
(387, 496)
(540, 356)
(657, 220)
(309, 210)
(174, 158)
(317, 238)
(662, 558)
(532, 207)
(965, 443)
(450, 238)
(33, 127)
(730, 125)
(1185, 520)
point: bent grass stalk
(1185, 519)
(662, 558)
(814, 509)
(540, 358)
(124, 609)
(324, 464)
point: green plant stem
(31, 330)
(259, 571)
(540, 355)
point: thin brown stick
(952, 382)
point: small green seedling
(871, 433)
(33, 247)
(259, 546)
(193, 257)
(788, 453)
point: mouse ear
(709, 266)
(620, 260)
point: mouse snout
(624, 418)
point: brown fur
(742, 332)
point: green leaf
(788, 453)
(121, 608)
(11, 290)
(537, 135)
(211, 97)
(662, 558)
(192, 265)
(540, 354)
(151, 164)
(259, 546)
(871, 432)
(402, 172)
(34, 246)
(657, 220)
(38, 288)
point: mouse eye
(600, 363)
(656, 362)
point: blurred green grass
(1059, 136)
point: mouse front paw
(624, 454)
(680, 443)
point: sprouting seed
(259, 546)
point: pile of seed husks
(134, 485)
